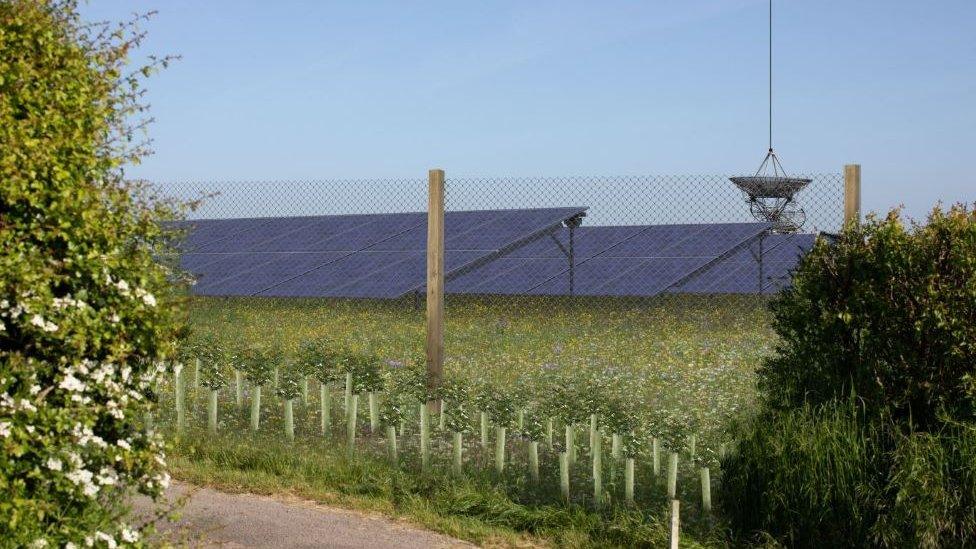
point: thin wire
(770, 75)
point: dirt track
(216, 519)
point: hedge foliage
(887, 312)
(85, 311)
(865, 436)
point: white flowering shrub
(84, 308)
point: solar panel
(373, 255)
(306, 237)
(487, 252)
(638, 261)
(588, 241)
(507, 276)
(740, 272)
(267, 270)
(202, 232)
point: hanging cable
(770, 75)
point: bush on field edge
(85, 310)
(865, 432)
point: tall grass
(827, 476)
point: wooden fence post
(435, 282)
(852, 193)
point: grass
(477, 506)
(692, 357)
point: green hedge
(866, 434)
(887, 312)
(85, 311)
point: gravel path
(215, 519)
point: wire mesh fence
(603, 269)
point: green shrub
(258, 364)
(866, 434)
(290, 382)
(85, 311)
(887, 312)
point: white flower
(71, 383)
(70, 545)
(4, 428)
(83, 478)
(149, 299)
(46, 325)
(39, 543)
(106, 477)
(128, 535)
(114, 319)
(54, 464)
(4, 304)
(109, 540)
(3, 327)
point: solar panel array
(610, 261)
(368, 256)
(506, 252)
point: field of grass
(685, 362)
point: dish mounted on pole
(770, 191)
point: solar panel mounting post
(761, 273)
(435, 283)
(573, 223)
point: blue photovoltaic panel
(715, 239)
(510, 227)
(506, 276)
(252, 238)
(399, 277)
(200, 233)
(740, 272)
(588, 242)
(372, 255)
(325, 280)
(487, 252)
(639, 261)
(648, 278)
(653, 241)
(685, 240)
(197, 263)
(224, 267)
(320, 234)
(455, 223)
(378, 230)
(268, 269)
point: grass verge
(472, 507)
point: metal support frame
(572, 224)
(759, 260)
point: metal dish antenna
(770, 192)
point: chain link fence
(643, 268)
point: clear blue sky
(303, 90)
